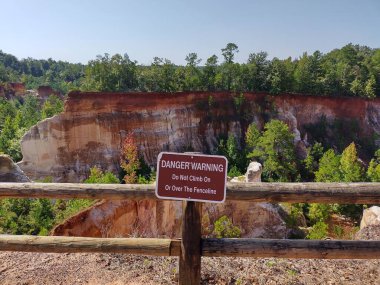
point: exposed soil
(50, 268)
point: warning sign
(192, 177)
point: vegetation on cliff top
(352, 70)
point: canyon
(90, 130)
(93, 125)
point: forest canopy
(352, 70)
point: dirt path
(43, 268)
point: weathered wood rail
(191, 247)
(350, 193)
(322, 249)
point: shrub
(318, 231)
(223, 228)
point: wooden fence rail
(321, 249)
(191, 247)
(347, 193)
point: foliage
(352, 70)
(314, 154)
(223, 228)
(275, 150)
(234, 172)
(16, 117)
(52, 106)
(129, 160)
(328, 170)
(319, 212)
(111, 73)
(318, 231)
(295, 212)
(252, 136)
(97, 176)
(234, 153)
(350, 167)
(373, 172)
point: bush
(318, 231)
(234, 172)
(223, 228)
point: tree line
(352, 70)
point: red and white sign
(191, 177)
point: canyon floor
(49, 268)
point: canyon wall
(91, 128)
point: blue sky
(78, 30)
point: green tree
(373, 172)
(229, 71)
(258, 66)
(30, 112)
(111, 73)
(329, 168)
(275, 149)
(314, 154)
(209, 73)
(370, 88)
(252, 136)
(52, 106)
(350, 167)
(229, 52)
(192, 80)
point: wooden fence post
(190, 255)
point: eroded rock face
(90, 130)
(10, 172)
(155, 218)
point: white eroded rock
(371, 217)
(254, 171)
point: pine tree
(328, 170)
(350, 167)
(373, 172)
(275, 149)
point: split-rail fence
(192, 246)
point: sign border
(189, 199)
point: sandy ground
(50, 268)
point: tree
(373, 172)
(192, 73)
(231, 149)
(111, 73)
(258, 64)
(275, 149)
(209, 73)
(350, 167)
(52, 106)
(329, 168)
(314, 154)
(30, 112)
(370, 88)
(252, 136)
(129, 160)
(229, 52)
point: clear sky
(78, 30)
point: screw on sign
(191, 177)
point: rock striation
(91, 128)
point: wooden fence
(191, 247)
